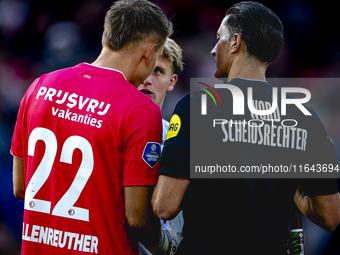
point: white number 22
(65, 206)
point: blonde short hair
(173, 52)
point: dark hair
(129, 21)
(260, 29)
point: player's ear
(148, 51)
(235, 43)
(172, 82)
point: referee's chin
(221, 75)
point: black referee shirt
(242, 216)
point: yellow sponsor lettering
(174, 126)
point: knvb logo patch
(151, 153)
(238, 99)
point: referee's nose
(213, 52)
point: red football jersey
(84, 133)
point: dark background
(39, 36)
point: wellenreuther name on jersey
(90, 105)
(59, 238)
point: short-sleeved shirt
(83, 135)
(242, 216)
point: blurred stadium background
(39, 36)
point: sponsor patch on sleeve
(151, 153)
(174, 126)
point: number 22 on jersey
(65, 206)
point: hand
(174, 241)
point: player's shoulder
(137, 99)
(183, 105)
(84, 70)
(58, 72)
(46, 78)
(139, 106)
(190, 100)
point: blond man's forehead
(164, 62)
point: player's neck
(115, 60)
(243, 68)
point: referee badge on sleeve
(151, 153)
(174, 126)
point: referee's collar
(247, 82)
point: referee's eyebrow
(220, 31)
